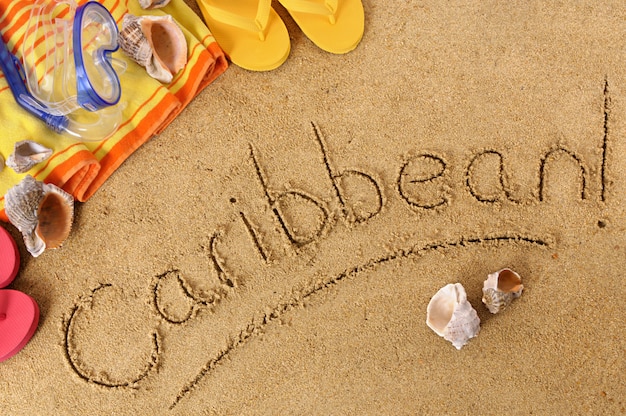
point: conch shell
(155, 42)
(27, 154)
(153, 4)
(500, 289)
(451, 316)
(42, 212)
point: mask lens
(46, 53)
(95, 37)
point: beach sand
(273, 251)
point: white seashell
(451, 316)
(155, 42)
(27, 154)
(42, 212)
(153, 4)
(500, 289)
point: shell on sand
(26, 154)
(155, 42)
(500, 289)
(153, 4)
(451, 316)
(42, 212)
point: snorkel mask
(68, 79)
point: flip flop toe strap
(256, 25)
(324, 8)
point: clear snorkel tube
(68, 79)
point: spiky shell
(500, 289)
(133, 41)
(42, 212)
(155, 42)
(451, 316)
(26, 154)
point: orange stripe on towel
(53, 157)
(81, 167)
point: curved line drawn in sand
(501, 176)
(73, 358)
(353, 210)
(423, 182)
(224, 277)
(193, 302)
(277, 205)
(426, 181)
(348, 210)
(253, 328)
(555, 153)
(414, 196)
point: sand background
(241, 264)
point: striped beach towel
(81, 168)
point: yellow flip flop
(249, 32)
(336, 26)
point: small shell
(27, 154)
(153, 4)
(133, 42)
(155, 42)
(500, 289)
(42, 212)
(451, 316)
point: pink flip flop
(19, 317)
(9, 258)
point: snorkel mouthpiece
(57, 123)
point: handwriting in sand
(423, 183)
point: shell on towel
(500, 289)
(42, 212)
(451, 316)
(153, 4)
(155, 42)
(26, 154)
